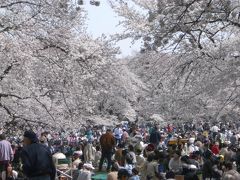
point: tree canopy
(53, 73)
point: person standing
(107, 143)
(6, 155)
(37, 159)
(155, 136)
(118, 132)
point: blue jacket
(37, 161)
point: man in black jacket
(36, 159)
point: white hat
(192, 166)
(191, 140)
(88, 166)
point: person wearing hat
(36, 158)
(86, 172)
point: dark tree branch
(6, 71)
(10, 95)
(7, 110)
(17, 2)
(44, 106)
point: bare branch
(44, 106)
(6, 71)
(17, 2)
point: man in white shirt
(118, 132)
(214, 131)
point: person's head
(130, 148)
(80, 165)
(129, 158)
(108, 131)
(224, 145)
(135, 171)
(98, 148)
(123, 174)
(177, 155)
(150, 148)
(114, 167)
(151, 157)
(120, 145)
(43, 139)
(170, 175)
(76, 156)
(78, 148)
(29, 137)
(208, 154)
(185, 159)
(229, 166)
(2, 137)
(197, 154)
(138, 151)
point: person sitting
(113, 175)
(128, 162)
(123, 174)
(189, 169)
(118, 154)
(86, 172)
(151, 166)
(175, 164)
(98, 155)
(76, 159)
(140, 160)
(132, 153)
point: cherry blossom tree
(52, 73)
(189, 59)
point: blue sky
(102, 20)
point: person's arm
(100, 140)
(53, 169)
(113, 141)
(170, 164)
(11, 153)
(118, 166)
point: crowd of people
(190, 151)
